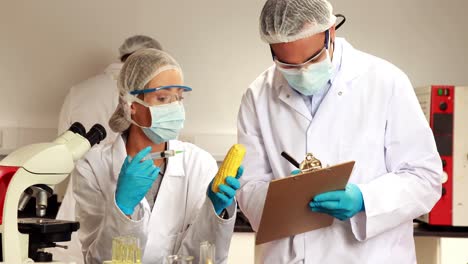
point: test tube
(207, 253)
(126, 250)
(117, 245)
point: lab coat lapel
(327, 122)
(119, 153)
(292, 99)
(172, 185)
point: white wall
(47, 46)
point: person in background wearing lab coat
(90, 102)
(94, 100)
(323, 96)
(166, 203)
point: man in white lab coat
(90, 102)
(325, 97)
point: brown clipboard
(286, 211)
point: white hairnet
(291, 20)
(137, 42)
(138, 70)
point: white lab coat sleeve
(412, 185)
(257, 169)
(207, 225)
(64, 121)
(100, 218)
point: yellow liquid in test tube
(126, 250)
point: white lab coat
(90, 102)
(370, 115)
(182, 217)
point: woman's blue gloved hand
(224, 198)
(135, 179)
(342, 204)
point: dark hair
(125, 57)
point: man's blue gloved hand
(295, 172)
(135, 179)
(224, 198)
(342, 204)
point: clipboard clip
(310, 163)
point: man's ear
(333, 33)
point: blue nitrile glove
(342, 204)
(135, 179)
(224, 198)
(295, 172)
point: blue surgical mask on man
(311, 79)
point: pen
(290, 159)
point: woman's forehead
(167, 77)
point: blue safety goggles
(150, 90)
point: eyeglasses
(150, 90)
(313, 59)
(157, 96)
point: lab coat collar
(337, 57)
(175, 166)
(292, 98)
(352, 65)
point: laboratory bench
(425, 230)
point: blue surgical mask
(166, 122)
(311, 79)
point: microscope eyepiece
(96, 134)
(78, 128)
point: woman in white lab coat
(346, 105)
(92, 102)
(166, 203)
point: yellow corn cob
(229, 167)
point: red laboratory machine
(446, 109)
